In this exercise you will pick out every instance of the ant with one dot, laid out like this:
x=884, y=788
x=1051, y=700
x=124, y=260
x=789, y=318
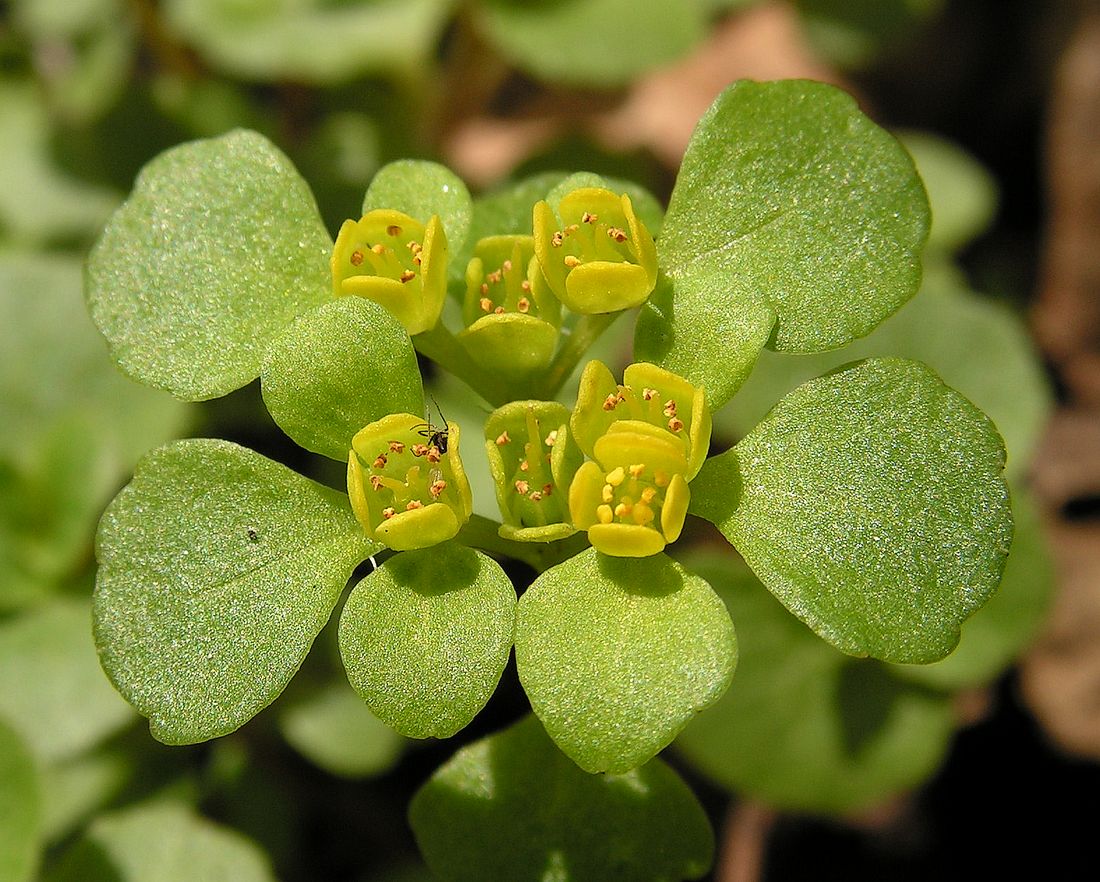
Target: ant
x=436, y=437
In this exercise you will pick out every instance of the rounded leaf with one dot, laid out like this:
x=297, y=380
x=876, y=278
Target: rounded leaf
x=216, y=251
x=336, y=369
x=805, y=727
x=871, y=503
x=804, y=241
x=616, y=655
x=421, y=189
x=217, y=569
x=426, y=636
x=485, y=816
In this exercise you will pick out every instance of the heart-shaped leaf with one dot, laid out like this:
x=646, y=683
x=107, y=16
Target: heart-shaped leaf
x=426, y=636
x=421, y=189
x=217, y=569
x=216, y=251
x=871, y=503
x=617, y=654
x=802, y=240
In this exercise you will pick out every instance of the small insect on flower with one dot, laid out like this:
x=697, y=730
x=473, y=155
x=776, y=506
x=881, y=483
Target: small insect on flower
x=437, y=437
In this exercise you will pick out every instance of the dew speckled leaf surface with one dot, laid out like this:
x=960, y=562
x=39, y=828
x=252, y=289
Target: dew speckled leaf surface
x=1002, y=629
x=617, y=654
x=217, y=569
x=161, y=843
x=217, y=249
x=601, y=43
x=803, y=241
x=20, y=810
x=337, y=369
x=512, y=808
x=804, y=727
x=54, y=691
x=426, y=636
x=871, y=503
x=421, y=189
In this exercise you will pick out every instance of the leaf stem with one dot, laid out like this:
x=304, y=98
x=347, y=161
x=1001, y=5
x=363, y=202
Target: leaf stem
x=585, y=333
x=481, y=532
x=441, y=346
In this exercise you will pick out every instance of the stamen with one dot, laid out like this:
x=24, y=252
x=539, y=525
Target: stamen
x=535, y=496
x=484, y=288
x=642, y=514
x=616, y=477
x=551, y=439
x=547, y=489
x=522, y=487
x=376, y=482
x=660, y=478
x=571, y=261
x=588, y=218
x=378, y=249
x=675, y=424
x=388, y=513
x=437, y=488
x=407, y=276
x=419, y=449
x=636, y=470
x=506, y=267
x=604, y=514
x=356, y=258
x=499, y=310
x=670, y=408
x=523, y=305
x=494, y=277
x=611, y=401
x=413, y=505
x=486, y=304
x=524, y=466
x=503, y=438
x=608, y=493
x=616, y=234
x=556, y=239
x=397, y=447
x=393, y=230
x=433, y=454
x=525, y=285
x=379, y=461
x=649, y=394
x=648, y=495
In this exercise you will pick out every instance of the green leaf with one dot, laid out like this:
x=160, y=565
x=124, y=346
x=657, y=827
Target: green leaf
x=795, y=222
x=334, y=729
x=311, y=41
x=601, y=43
x=617, y=654
x=420, y=189
x=161, y=843
x=426, y=636
x=511, y=808
x=963, y=194
x=55, y=694
x=996, y=634
x=218, y=568
x=871, y=503
x=851, y=33
x=337, y=369
x=216, y=251
x=805, y=727
x=19, y=809
x=978, y=346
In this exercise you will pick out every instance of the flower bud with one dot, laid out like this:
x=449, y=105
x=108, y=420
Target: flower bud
x=406, y=482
